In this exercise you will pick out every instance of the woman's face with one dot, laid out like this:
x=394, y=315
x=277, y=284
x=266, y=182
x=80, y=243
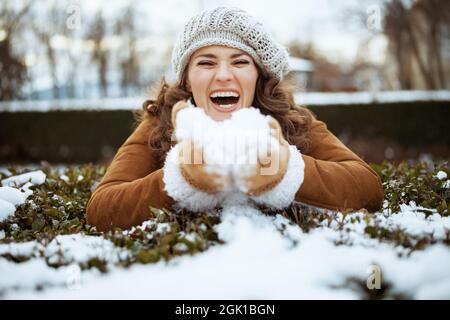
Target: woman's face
x=222, y=80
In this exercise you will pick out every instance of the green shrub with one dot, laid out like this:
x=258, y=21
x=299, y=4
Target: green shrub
x=418, y=182
x=91, y=136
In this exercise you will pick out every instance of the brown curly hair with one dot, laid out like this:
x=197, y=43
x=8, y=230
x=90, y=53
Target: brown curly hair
x=272, y=97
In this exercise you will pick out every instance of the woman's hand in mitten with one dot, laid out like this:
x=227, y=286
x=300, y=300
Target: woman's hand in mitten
x=270, y=168
x=191, y=161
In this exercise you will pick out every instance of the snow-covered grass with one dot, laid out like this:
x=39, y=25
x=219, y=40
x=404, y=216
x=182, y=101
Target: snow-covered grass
x=48, y=251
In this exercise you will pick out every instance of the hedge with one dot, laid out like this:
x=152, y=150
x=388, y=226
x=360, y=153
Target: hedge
x=94, y=136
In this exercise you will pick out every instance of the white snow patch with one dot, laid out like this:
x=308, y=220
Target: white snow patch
x=22, y=249
x=16, y=190
x=441, y=175
x=414, y=222
x=81, y=248
x=35, y=273
x=12, y=195
x=5, y=171
x=261, y=261
x=7, y=209
x=35, y=177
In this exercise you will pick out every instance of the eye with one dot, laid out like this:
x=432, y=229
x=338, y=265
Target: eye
x=205, y=63
x=242, y=62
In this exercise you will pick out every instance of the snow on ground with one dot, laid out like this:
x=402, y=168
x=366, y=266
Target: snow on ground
x=263, y=258
x=33, y=275
x=35, y=177
x=15, y=190
x=80, y=248
x=302, y=98
x=67, y=250
x=346, y=98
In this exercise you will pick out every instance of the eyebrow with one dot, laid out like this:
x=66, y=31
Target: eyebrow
x=212, y=56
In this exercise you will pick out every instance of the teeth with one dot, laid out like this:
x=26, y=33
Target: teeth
x=226, y=106
x=224, y=94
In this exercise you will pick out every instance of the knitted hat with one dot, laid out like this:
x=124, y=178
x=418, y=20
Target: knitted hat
x=232, y=27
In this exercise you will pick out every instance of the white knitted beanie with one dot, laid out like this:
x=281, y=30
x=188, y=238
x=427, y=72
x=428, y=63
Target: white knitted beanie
x=232, y=27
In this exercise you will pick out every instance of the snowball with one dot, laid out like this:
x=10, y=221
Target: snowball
x=230, y=146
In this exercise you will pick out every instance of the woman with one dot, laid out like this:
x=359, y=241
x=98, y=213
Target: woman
x=225, y=61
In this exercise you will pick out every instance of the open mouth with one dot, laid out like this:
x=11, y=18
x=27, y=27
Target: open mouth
x=225, y=101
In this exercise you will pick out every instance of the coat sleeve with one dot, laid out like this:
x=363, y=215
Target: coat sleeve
x=335, y=177
x=132, y=183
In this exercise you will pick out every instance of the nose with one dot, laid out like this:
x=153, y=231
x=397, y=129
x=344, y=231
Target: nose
x=224, y=73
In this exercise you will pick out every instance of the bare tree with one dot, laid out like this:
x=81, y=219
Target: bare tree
x=420, y=29
x=129, y=64
x=72, y=57
x=100, y=55
x=436, y=28
x=13, y=75
x=47, y=24
x=395, y=20
x=417, y=34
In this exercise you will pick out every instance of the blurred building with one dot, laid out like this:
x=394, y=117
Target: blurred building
x=301, y=70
